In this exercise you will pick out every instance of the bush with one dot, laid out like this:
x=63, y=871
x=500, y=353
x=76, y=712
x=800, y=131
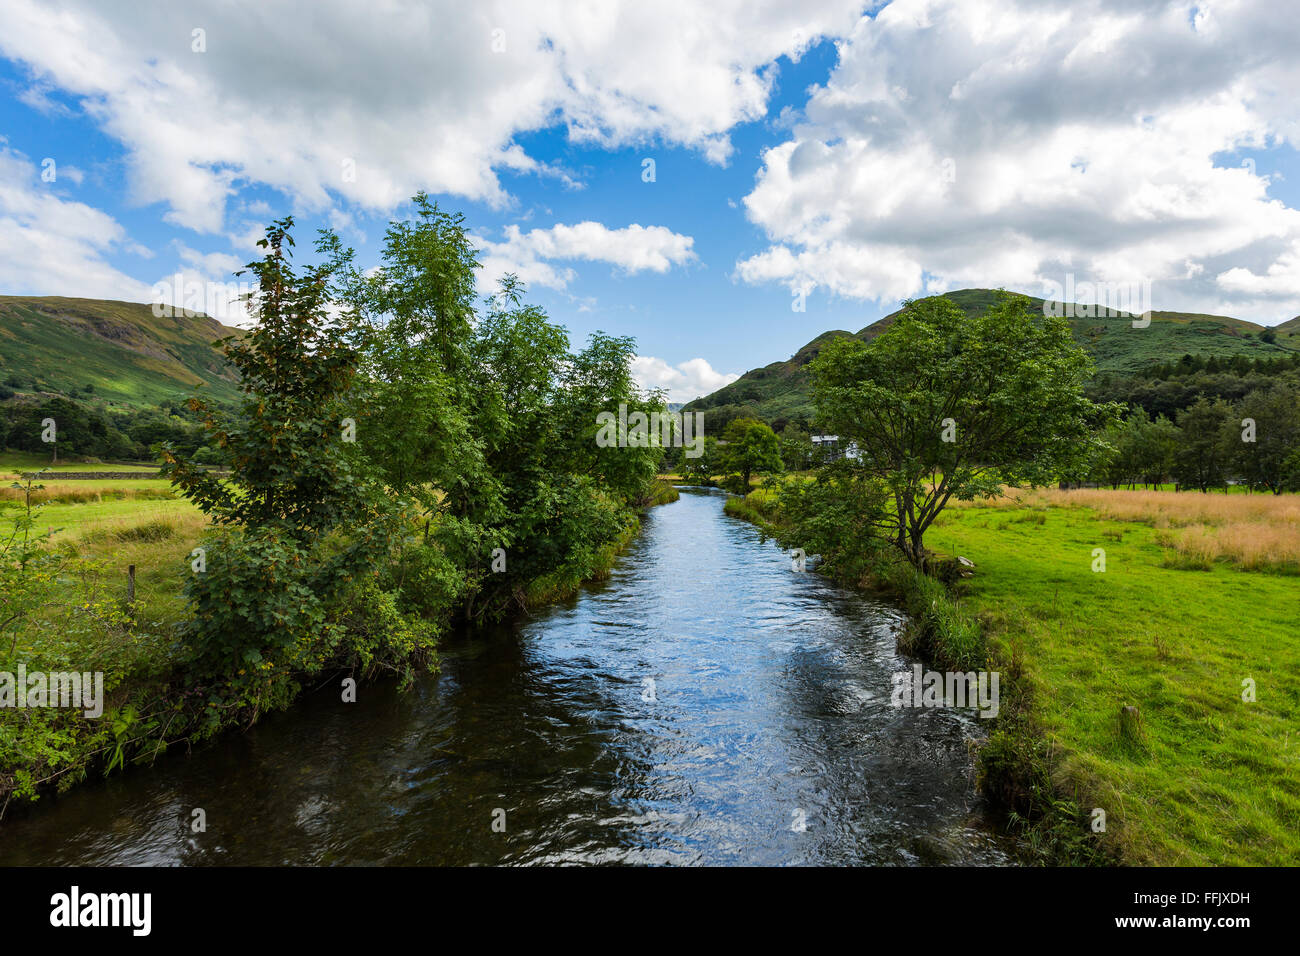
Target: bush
x=837, y=515
x=378, y=636
x=428, y=583
x=269, y=610
x=252, y=602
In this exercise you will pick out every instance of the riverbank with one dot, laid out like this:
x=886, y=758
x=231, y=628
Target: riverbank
x=1194, y=774
x=701, y=706
x=99, y=619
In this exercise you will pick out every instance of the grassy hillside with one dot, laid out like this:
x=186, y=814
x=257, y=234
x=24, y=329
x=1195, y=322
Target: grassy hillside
x=782, y=390
x=120, y=350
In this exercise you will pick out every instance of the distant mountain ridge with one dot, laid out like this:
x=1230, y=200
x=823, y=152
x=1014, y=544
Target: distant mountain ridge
x=783, y=391
x=118, y=352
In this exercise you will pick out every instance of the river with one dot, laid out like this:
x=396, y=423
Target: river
x=704, y=705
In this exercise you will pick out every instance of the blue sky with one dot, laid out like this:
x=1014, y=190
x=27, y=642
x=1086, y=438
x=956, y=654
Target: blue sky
x=859, y=155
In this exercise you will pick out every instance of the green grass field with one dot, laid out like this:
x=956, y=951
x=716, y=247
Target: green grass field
x=14, y=463
x=120, y=522
x=1212, y=779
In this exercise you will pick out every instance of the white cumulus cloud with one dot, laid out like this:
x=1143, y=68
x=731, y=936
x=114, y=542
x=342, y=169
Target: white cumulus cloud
x=683, y=382
x=50, y=245
x=996, y=142
x=365, y=103
x=530, y=254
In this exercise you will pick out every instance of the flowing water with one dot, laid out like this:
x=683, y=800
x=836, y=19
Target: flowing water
x=704, y=705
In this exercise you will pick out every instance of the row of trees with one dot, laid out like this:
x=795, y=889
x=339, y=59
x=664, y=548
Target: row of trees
x=86, y=430
x=747, y=448
x=1174, y=395
x=1237, y=364
x=402, y=457
x=1254, y=441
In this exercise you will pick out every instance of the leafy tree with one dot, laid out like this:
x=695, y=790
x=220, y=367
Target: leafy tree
x=416, y=395
x=703, y=467
x=942, y=405
x=1157, y=445
x=1141, y=450
x=837, y=515
x=598, y=380
x=297, y=521
x=750, y=447
x=1276, y=415
x=485, y=418
x=796, y=448
x=1205, y=446
x=285, y=450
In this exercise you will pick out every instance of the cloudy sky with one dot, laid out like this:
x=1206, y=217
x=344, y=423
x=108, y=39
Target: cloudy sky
x=682, y=172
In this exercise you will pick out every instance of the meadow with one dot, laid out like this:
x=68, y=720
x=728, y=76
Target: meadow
x=115, y=522
x=1198, y=605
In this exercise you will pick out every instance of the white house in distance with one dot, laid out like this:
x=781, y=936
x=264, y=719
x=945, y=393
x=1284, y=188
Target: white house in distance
x=829, y=447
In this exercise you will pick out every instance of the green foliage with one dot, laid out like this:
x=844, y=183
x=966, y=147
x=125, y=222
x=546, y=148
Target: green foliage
x=254, y=604
x=1264, y=462
x=661, y=493
x=285, y=449
x=417, y=395
x=750, y=448
x=797, y=449
x=837, y=515
x=297, y=518
x=943, y=404
x=29, y=568
x=54, y=608
x=598, y=382
x=701, y=469
x=1137, y=449
x=1203, y=453
x=488, y=422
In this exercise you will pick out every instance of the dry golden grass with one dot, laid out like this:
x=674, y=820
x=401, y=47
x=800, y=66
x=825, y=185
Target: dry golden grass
x=83, y=492
x=1255, y=531
x=144, y=525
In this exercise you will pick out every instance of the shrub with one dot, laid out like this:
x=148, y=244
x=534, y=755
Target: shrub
x=253, y=604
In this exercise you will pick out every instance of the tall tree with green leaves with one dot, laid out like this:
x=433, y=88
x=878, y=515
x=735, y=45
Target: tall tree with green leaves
x=750, y=447
x=286, y=450
x=419, y=404
x=1206, y=445
x=289, y=572
x=1268, y=425
x=796, y=448
x=941, y=406
x=704, y=466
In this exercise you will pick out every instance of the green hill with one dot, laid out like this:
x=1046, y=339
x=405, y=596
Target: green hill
x=117, y=352
x=782, y=390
